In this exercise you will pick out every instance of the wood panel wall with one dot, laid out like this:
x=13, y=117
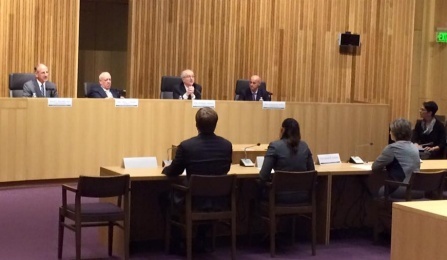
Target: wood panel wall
x=292, y=45
x=34, y=31
x=430, y=58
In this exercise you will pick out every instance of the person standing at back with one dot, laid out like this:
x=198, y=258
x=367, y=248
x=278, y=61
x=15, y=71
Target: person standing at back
x=40, y=86
x=188, y=89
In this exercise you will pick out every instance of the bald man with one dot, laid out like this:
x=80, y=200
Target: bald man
x=254, y=93
x=188, y=89
x=40, y=86
x=104, y=90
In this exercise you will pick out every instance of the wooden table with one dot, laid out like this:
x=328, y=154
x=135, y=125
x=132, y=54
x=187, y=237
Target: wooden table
x=419, y=230
x=326, y=174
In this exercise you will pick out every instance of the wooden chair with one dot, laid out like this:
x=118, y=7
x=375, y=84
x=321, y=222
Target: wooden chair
x=272, y=208
x=422, y=186
x=220, y=190
x=97, y=213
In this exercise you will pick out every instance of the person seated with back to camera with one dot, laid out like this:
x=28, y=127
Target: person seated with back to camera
x=289, y=153
x=400, y=158
x=104, y=90
x=429, y=133
x=188, y=89
x=254, y=93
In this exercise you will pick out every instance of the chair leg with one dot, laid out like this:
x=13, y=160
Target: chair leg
x=167, y=234
x=214, y=237
x=233, y=237
x=188, y=239
x=293, y=229
x=110, y=238
x=272, y=234
x=60, y=239
x=78, y=240
x=126, y=231
x=314, y=232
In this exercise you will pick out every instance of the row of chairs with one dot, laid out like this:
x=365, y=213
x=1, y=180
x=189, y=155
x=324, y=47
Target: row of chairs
x=109, y=214
x=16, y=81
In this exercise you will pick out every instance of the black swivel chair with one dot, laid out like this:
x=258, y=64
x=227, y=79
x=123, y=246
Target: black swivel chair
x=16, y=81
x=167, y=86
x=88, y=86
x=243, y=84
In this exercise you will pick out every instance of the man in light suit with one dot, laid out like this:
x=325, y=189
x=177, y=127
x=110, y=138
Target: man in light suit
x=254, y=93
x=187, y=89
x=40, y=86
x=104, y=90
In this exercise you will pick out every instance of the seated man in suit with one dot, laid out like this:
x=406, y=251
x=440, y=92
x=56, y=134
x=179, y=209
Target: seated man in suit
x=187, y=89
x=104, y=89
x=204, y=154
x=40, y=86
x=254, y=93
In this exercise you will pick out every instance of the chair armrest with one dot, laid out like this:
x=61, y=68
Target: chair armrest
x=70, y=188
x=179, y=187
x=66, y=187
x=391, y=182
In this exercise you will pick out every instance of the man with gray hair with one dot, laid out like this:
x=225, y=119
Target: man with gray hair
x=188, y=89
x=104, y=90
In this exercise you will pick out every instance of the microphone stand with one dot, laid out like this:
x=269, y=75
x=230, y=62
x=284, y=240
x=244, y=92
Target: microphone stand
x=246, y=162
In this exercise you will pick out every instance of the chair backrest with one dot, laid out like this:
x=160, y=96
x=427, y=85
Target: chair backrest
x=103, y=187
x=284, y=181
x=168, y=83
x=212, y=185
x=166, y=95
x=16, y=81
x=426, y=182
x=242, y=85
x=88, y=86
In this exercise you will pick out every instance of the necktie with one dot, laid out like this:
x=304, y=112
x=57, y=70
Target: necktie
x=254, y=96
x=42, y=90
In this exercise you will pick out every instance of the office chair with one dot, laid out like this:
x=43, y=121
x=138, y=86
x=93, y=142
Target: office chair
x=243, y=84
x=98, y=213
x=167, y=86
x=88, y=86
x=16, y=82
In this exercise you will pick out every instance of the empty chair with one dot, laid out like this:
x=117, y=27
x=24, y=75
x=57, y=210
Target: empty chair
x=422, y=186
x=16, y=81
x=243, y=84
x=97, y=213
x=303, y=184
x=167, y=86
x=207, y=198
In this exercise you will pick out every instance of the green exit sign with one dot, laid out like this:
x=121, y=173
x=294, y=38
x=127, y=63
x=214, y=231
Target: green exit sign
x=441, y=37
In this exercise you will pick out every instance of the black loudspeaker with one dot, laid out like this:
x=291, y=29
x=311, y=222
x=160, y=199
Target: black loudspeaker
x=349, y=39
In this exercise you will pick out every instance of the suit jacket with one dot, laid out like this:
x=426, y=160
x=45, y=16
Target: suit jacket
x=205, y=154
x=248, y=96
x=98, y=92
x=179, y=90
x=437, y=137
x=30, y=87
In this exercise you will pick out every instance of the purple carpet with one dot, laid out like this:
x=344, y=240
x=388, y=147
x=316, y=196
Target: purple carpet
x=29, y=217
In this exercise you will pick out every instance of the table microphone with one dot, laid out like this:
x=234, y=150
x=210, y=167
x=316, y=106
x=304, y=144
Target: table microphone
x=247, y=162
x=355, y=158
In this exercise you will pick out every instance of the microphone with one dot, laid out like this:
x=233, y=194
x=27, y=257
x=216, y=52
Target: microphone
x=355, y=158
x=247, y=162
x=168, y=161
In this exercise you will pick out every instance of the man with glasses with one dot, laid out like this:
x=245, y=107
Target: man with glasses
x=187, y=89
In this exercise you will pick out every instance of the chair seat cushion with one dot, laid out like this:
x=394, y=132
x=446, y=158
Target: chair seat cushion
x=102, y=208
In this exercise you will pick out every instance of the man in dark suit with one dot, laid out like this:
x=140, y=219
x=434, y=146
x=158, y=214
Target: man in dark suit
x=40, y=86
x=187, y=89
x=104, y=89
x=254, y=93
x=204, y=154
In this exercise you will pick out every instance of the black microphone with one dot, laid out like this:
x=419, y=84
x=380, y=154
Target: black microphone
x=355, y=158
x=247, y=162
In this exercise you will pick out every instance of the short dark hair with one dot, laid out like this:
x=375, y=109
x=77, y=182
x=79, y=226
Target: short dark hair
x=206, y=120
x=431, y=106
x=401, y=129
